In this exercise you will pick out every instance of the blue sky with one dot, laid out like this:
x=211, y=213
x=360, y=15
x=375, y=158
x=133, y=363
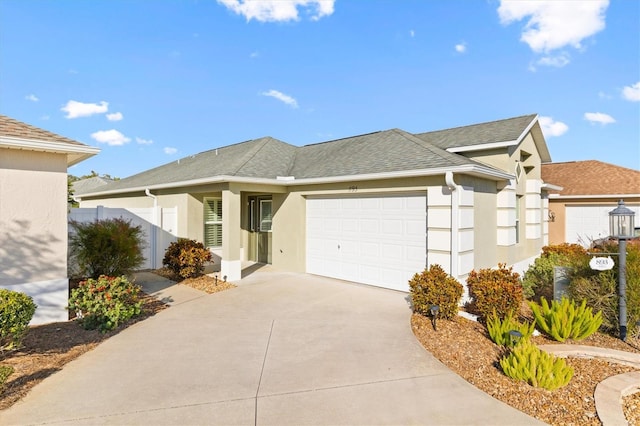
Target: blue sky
x=150, y=82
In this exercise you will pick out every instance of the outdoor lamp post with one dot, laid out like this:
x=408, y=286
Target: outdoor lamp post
x=621, y=227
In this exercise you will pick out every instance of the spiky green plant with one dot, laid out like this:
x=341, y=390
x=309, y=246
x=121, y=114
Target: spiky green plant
x=499, y=329
x=528, y=363
x=563, y=320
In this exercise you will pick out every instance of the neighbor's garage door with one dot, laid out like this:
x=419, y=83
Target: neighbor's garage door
x=590, y=222
x=377, y=240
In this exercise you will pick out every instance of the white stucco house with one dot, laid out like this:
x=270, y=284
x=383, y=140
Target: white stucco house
x=33, y=214
x=374, y=208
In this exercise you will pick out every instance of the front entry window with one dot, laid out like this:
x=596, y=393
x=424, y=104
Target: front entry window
x=212, y=222
x=260, y=225
x=265, y=215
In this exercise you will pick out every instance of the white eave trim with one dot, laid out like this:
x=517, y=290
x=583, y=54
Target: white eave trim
x=598, y=196
x=551, y=187
x=496, y=145
x=484, y=146
x=61, y=147
x=474, y=170
x=75, y=152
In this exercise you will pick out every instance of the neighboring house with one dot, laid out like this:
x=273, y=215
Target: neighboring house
x=373, y=209
x=33, y=214
x=89, y=184
x=579, y=213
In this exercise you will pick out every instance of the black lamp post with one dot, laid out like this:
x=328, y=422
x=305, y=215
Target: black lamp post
x=621, y=227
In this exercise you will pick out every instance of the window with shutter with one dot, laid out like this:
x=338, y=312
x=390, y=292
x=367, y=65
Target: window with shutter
x=213, y=222
x=265, y=215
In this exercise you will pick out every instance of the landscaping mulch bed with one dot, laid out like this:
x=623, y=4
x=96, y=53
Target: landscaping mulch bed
x=204, y=283
x=465, y=347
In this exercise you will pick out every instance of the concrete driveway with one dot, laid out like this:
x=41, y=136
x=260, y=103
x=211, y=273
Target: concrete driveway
x=281, y=349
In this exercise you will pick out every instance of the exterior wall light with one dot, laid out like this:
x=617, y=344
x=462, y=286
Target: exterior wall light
x=621, y=227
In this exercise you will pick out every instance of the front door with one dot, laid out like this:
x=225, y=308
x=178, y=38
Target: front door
x=260, y=215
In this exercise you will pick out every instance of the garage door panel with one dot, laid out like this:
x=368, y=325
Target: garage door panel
x=392, y=227
x=585, y=223
x=382, y=239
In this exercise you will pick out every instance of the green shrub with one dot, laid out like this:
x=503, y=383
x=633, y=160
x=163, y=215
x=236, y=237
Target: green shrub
x=434, y=287
x=5, y=372
x=111, y=247
x=528, y=363
x=600, y=289
x=537, y=281
x=105, y=303
x=499, y=329
x=186, y=258
x=496, y=290
x=16, y=310
x=563, y=320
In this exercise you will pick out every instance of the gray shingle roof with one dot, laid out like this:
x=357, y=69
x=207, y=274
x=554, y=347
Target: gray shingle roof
x=381, y=152
x=505, y=130
x=89, y=184
x=264, y=158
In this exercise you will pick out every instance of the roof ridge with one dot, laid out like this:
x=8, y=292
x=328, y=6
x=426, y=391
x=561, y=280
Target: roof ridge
x=260, y=144
x=480, y=124
x=346, y=137
x=442, y=153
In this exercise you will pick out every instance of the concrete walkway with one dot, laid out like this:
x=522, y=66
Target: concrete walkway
x=280, y=349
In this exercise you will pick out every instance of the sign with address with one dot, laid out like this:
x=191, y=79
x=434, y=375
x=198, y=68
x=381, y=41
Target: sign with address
x=601, y=263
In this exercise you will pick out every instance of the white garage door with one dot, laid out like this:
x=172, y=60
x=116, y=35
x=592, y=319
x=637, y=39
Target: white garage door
x=377, y=240
x=587, y=223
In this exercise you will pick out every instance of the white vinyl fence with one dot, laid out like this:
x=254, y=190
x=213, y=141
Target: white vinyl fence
x=159, y=226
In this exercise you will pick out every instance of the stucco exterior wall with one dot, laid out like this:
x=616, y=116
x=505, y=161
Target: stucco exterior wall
x=33, y=229
x=485, y=224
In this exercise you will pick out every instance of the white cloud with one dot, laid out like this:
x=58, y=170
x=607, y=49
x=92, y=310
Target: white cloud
x=632, y=93
x=412, y=33
x=110, y=137
x=279, y=10
x=254, y=54
x=603, y=95
x=116, y=116
x=32, y=98
x=557, y=61
x=555, y=24
x=461, y=47
x=599, y=117
x=551, y=128
x=143, y=141
x=170, y=151
x=75, y=109
x=281, y=97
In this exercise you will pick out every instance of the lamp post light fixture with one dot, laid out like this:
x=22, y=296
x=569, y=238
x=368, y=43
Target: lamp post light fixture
x=434, y=315
x=621, y=227
x=515, y=336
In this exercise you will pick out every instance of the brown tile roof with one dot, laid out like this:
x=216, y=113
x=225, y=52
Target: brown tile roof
x=17, y=129
x=591, y=177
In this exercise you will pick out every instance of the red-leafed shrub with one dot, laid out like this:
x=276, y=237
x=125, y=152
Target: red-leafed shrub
x=186, y=258
x=496, y=290
x=434, y=287
x=105, y=303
